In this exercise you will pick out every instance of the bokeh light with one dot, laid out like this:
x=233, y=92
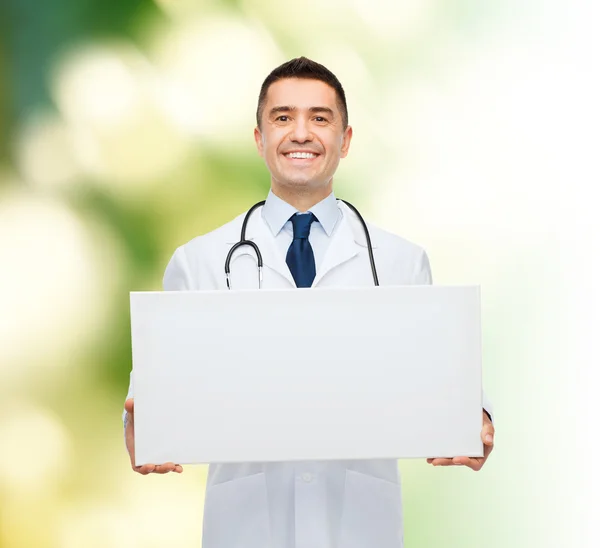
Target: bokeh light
x=214, y=67
x=396, y=20
x=35, y=450
x=54, y=281
x=113, y=101
x=46, y=152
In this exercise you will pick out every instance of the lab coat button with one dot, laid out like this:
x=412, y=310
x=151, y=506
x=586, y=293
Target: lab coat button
x=307, y=477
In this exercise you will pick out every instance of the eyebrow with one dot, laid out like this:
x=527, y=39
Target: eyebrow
x=314, y=110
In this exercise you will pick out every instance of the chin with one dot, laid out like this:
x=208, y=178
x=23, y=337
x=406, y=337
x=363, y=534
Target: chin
x=297, y=182
x=301, y=182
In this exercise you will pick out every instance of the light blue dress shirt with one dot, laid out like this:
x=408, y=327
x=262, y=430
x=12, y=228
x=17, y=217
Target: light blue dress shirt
x=276, y=213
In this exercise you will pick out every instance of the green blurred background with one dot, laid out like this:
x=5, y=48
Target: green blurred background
x=126, y=130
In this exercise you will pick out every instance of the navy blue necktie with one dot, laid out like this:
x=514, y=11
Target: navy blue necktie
x=300, y=257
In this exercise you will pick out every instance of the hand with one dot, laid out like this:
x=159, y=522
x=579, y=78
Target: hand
x=475, y=463
x=145, y=469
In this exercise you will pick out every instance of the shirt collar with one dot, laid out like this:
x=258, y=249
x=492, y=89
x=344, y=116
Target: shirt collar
x=276, y=212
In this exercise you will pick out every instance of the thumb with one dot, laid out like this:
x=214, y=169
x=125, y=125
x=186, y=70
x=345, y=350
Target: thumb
x=487, y=434
x=129, y=406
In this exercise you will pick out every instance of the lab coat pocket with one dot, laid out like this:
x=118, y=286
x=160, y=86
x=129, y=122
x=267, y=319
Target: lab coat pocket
x=372, y=513
x=236, y=514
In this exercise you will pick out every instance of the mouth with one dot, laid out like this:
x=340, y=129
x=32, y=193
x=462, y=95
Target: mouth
x=298, y=156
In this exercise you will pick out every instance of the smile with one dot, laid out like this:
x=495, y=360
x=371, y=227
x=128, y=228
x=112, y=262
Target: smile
x=301, y=155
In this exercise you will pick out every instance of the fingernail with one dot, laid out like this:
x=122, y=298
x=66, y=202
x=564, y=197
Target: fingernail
x=489, y=438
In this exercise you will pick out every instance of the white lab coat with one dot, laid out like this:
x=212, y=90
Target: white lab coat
x=345, y=504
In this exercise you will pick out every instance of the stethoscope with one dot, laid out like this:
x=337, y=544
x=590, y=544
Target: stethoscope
x=259, y=259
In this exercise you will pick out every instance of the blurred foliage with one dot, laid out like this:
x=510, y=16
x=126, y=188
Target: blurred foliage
x=34, y=33
x=438, y=95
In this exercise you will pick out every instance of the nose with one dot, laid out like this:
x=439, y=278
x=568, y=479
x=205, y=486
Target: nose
x=301, y=132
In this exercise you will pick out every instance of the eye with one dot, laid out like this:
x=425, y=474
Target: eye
x=282, y=118
x=320, y=120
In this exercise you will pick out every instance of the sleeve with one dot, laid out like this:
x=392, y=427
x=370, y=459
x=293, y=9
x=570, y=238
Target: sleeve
x=177, y=278
x=487, y=406
x=177, y=274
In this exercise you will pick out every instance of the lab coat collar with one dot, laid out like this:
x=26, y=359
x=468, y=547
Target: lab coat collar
x=277, y=212
x=342, y=248
x=358, y=230
x=346, y=242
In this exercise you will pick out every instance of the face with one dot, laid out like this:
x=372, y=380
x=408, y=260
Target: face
x=302, y=136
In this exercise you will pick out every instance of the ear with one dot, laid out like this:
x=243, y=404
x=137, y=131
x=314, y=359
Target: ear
x=258, y=139
x=346, y=141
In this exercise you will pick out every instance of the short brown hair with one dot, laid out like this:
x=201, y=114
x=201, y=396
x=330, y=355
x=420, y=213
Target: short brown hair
x=301, y=67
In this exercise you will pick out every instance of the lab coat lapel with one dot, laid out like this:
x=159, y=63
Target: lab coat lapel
x=272, y=257
x=259, y=233
x=342, y=248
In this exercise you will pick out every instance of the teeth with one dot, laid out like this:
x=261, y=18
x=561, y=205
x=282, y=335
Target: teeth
x=302, y=155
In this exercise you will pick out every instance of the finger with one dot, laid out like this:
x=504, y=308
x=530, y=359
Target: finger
x=472, y=463
x=129, y=406
x=165, y=468
x=178, y=468
x=149, y=468
x=145, y=469
x=442, y=462
x=487, y=434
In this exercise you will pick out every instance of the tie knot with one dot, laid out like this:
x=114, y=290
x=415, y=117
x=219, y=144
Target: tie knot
x=301, y=224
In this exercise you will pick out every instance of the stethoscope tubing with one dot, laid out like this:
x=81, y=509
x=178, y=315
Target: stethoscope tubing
x=259, y=258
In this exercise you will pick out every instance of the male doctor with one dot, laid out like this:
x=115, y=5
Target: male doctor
x=307, y=239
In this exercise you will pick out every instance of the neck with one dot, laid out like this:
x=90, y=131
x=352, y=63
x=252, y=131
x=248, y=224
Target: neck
x=302, y=198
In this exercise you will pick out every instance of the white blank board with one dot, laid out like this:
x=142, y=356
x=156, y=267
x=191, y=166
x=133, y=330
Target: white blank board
x=306, y=374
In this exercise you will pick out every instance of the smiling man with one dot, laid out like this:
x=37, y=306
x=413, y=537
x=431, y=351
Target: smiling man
x=307, y=239
x=302, y=133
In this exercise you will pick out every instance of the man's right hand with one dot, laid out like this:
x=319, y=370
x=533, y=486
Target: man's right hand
x=130, y=441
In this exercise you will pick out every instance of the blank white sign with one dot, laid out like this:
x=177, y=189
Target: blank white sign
x=306, y=374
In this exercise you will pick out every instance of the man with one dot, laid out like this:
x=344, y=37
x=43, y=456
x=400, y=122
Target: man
x=307, y=239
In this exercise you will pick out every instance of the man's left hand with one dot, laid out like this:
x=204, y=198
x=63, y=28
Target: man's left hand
x=475, y=463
